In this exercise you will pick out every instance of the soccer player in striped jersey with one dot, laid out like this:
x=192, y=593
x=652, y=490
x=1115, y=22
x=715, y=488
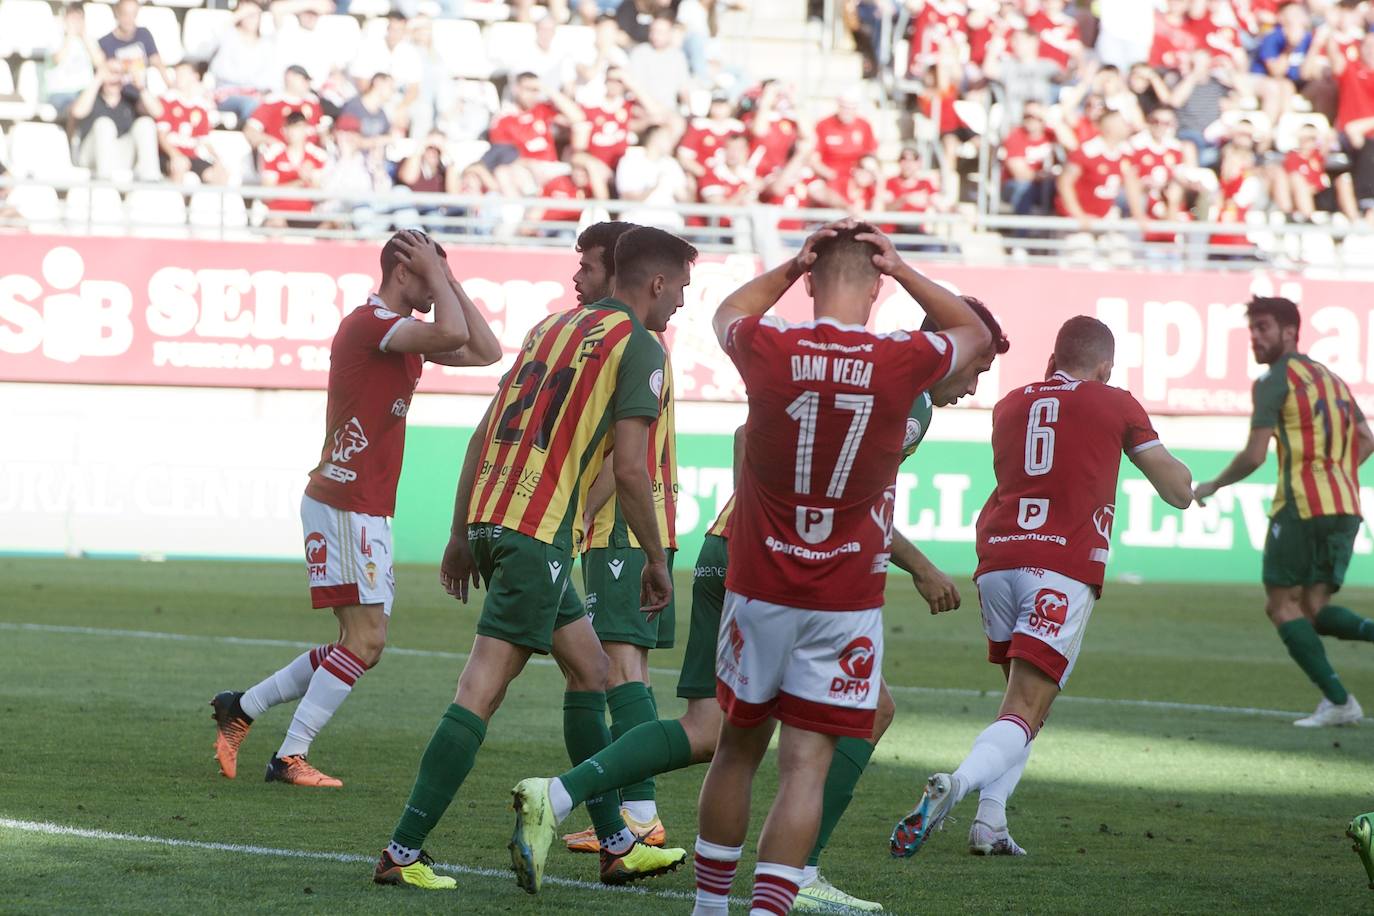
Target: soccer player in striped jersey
x=1322, y=440
x=375, y=363
x=586, y=378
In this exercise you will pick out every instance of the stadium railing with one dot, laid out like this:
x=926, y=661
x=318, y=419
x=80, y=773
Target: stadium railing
x=239, y=213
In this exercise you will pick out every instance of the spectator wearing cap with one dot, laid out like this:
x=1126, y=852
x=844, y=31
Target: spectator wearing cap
x=660, y=66
x=269, y=118
x=1027, y=156
x=115, y=129
x=183, y=126
x=394, y=54
x=1025, y=75
x=1301, y=186
x=244, y=64
x=129, y=43
x=300, y=41
x=71, y=67
x=706, y=137
x=370, y=111
x=294, y=163
x=842, y=139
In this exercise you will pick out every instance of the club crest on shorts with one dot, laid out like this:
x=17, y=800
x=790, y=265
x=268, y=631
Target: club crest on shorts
x=736, y=641
x=316, y=555
x=856, y=661
x=370, y=573
x=1051, y=611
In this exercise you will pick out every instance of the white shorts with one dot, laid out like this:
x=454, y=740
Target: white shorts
x=348, y=556
x=1037, y=615
x=816, y=670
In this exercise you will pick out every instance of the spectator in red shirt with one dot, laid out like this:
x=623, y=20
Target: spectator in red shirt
x=576, y=185
x=912, y=190
x=1164, y=165
x=182, y=126
x=524, y=152
x=265, y=124
x=605, y=134
x=842, y=140
x=1355, y=116
x=1301, y=186
x=731, y=178
x=1060, y=40
x=1099, y=172
x=1027, y=155
x=295, y=163
x=936, y=26
x=1240, y=188
x=705, y=137
x=1173, y=39
x=774, y=127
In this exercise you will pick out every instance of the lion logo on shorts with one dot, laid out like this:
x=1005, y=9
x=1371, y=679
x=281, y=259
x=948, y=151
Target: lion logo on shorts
x=349, y=440
x=857, y=658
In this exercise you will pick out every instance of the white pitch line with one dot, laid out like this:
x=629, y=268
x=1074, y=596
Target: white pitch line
x=47, y=829
x=1165, y=705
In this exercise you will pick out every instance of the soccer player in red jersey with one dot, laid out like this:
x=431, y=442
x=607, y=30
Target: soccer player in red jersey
x=375, y=363
x=801, y=637
x=1042, y=540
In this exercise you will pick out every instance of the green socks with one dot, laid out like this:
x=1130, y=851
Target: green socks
x=632, y=704
x=445, y=764
x=645, y=750
x=851, y=757
x=1343, y=623
x=1306, y=648
x=584, y=734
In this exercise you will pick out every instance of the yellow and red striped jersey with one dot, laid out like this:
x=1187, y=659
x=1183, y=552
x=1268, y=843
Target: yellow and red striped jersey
x=1314, y=418
x=578, y=372
x=609, y=528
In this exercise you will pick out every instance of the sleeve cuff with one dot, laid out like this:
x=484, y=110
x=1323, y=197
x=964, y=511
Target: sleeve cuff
x=386, y=338
x=1143, y=447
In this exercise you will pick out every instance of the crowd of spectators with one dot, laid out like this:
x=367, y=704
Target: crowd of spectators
x=1194, y=109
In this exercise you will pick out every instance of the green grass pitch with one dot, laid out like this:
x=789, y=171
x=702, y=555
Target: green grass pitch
x=1125, y=807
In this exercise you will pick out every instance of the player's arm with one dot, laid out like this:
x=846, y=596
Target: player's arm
x=1067, y=185
x=601, y=491
x=961, y=324
x=1364, y=443
x=635, y=493
x=737, y=458
x=935, y=587
x=458, y=567
x=1245, y=463
x=1170, y=477
x=449, y=330
x=482, y=347
x=763, y=292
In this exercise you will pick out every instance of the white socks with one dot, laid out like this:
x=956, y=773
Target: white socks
x=995, y=750
x=992, y=801
x=559, y=799
x=715, y=872
x=329, y=686
x=285, y=685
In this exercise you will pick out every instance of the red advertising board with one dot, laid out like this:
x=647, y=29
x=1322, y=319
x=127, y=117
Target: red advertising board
x=261, y=315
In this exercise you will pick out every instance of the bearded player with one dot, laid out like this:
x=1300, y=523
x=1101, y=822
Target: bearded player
x=1042, y=540
x=375, y=363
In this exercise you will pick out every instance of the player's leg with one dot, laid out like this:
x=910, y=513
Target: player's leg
x=989, y=834
x=1291, y=563
x=1334, y=543
x=723, y=811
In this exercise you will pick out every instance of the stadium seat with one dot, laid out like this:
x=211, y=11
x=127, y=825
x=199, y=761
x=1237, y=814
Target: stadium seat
x=162, y=22
x=233, y=152
x=463, y=48
x=100, y=20
x=35, y=202
x=201, y=30
x=211, y=209
x=156, y=212
x=98, y=209
x=27, y=28
x=18, y=103
x=343, y=34
x=576, y=40
x=40, y=150
x=507, y=43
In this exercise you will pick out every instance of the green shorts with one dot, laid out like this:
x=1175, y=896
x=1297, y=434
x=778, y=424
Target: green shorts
x=698, y=678
x=611, y=578
x=529, y=587
x=1308, y=551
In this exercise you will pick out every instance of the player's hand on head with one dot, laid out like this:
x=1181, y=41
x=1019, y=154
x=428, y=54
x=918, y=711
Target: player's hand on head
x=458, y=569
x=807, y=256
x=938, y=590
x=886, y=259
x=420, y=253
x=655, y=588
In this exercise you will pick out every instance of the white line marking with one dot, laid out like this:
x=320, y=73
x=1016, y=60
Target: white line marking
x=47, y=829
x=666, y=672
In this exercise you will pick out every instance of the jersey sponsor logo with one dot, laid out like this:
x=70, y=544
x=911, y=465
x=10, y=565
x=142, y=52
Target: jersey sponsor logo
x=913, y=433
x=400, y=407
x=1031, y=513
x=555, y=568
x=1051, y=610
x=708, y=572
x=590, y=602
x=856, y=661
x=349, y=440
x=317, y=556
x=1037, y=538
x=806, y=553
x=814, y=525
x=616, y=566
x=656, y=383
x=332, y=471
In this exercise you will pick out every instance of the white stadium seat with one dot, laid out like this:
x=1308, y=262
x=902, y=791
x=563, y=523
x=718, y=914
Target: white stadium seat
x=575, y=40
x=343, y=35
x=100, y=20
x=162, y=23
x=37, y=203
x=460, y=43
x=27, y=28
x=201, y=30
x=18, y=103
x=40, y=151
x=210, y=209
x=233, y=152
x=507, y=43
x=98, y=209
x=156, y=212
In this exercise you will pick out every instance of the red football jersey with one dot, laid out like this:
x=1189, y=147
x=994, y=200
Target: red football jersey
x=365, y=420
x=1156, y=162
x=1037, y=151
x=1312, y=168
x=841, y=145
x=939, y=24
x=1100, y=182
x=277, y=160
x=610, y=135
x=270, y=116
x=531, y=132
x=776, y=142
x=1357, y=94
x=1056, y=452
x=828, y=406
x=563, y=188
x=705, y=138
x=184, y=122
x=913, y=195
x=1060, y=39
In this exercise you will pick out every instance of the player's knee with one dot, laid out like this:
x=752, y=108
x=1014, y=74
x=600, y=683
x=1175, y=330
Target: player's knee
x=590, y=673
x=1282, y=609
x=884, y=714
x=702, y=725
